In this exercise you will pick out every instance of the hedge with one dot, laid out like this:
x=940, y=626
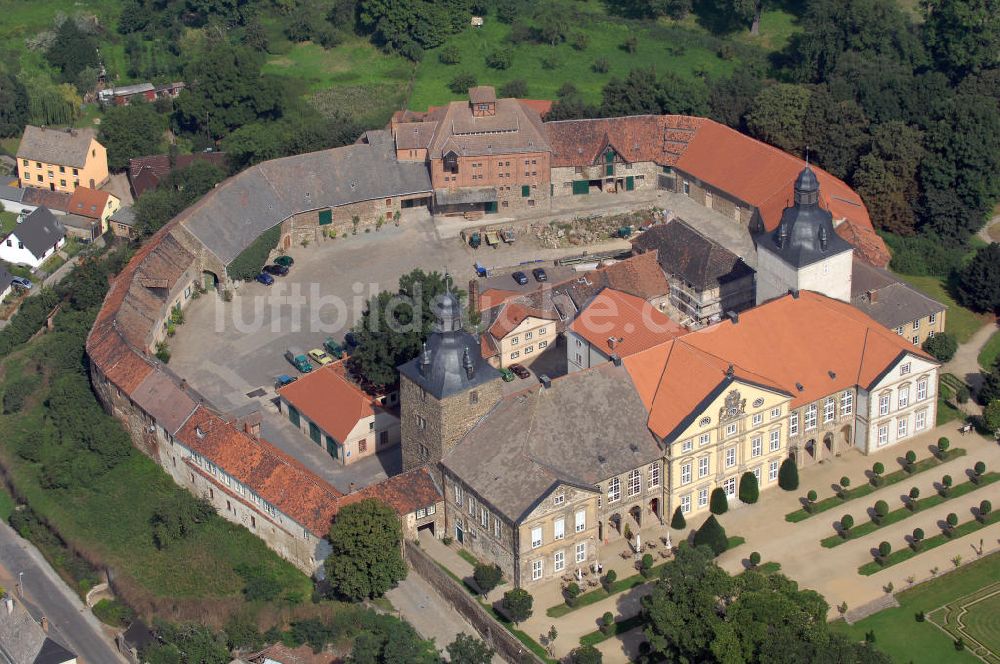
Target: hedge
x=29, y=319
x=248, y=264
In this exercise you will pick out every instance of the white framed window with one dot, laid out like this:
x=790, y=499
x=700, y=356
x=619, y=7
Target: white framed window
x=905, y=367
x=559, y=529
x=581, y=552
x=916, y=324
x=729, y=486
x=559, y=561
x=685, y=473
x=702, y=497
x=654, y=476
x=541, y=331
x=776, y=412
x=932, y=319
x=431, y=509
x=916, y=340
x=515, y=341
x=458, y=495
x=793, y=424
x=902, y=428
x=775, y=440
x=920, y=420
x=704, y=439
x=685, y=504
x=829, y=410
x=702, y=467
x=581, y=521
x=687, y=445
x=472, y=507
x=529, y=349
x=731, y=429
x=528, y=335
x=536, y=537
x=542, y=344
x=497, y=528
x=757, y=419
x=772, y=470
x=811, y=417
x=614, y=490
x=904, y=396
x=846, y=403
x=730, y=457
x=516, y=354
x=899, y=330
x=883, y=435
x=930, y=334
x=883, y=404
x=756, y=446
x=536, y=570
x=484, y=517
x=634, y=484
x=756, y=473
x=559, y=499
x=921, y=389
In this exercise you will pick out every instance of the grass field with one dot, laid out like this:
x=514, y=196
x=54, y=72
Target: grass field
x=991, y=351
x=8, y=220
x=959, y=321
x=973, y=619
x=906, y=640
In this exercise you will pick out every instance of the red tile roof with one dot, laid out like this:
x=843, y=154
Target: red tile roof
x=88, y=202
x=494, y=296
x=823, y=345
x=634, y=323
x=405, y=493
x=329, y=398
x=656, y=138
x=512, y=315
x=638, y=275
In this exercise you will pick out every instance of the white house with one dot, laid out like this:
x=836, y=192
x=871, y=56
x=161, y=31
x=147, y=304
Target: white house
x=38, y=235
x=900, y=404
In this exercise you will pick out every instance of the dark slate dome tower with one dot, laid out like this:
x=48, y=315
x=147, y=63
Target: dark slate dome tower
x=804, y=244
x=445, y=389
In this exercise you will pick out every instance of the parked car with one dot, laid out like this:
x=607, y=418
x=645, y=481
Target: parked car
x=286, y=261
x=333, y=348
x=284, y=379
x=520, y=277
x=21, y=282
x=298, y=359
x=507, y=375
x=320, y=356
x=519, y=371
x=264, y=278
x=351, y=341
x=539, y=274
x=276, y=270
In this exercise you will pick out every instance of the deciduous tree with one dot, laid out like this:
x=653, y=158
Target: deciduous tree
x=365, y=557
x=467, y=649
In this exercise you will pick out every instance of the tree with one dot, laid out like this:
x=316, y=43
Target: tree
x=73, y=52
x=643, y=91
x=14, y=111
x=177, y=518
x=942, y=346
x=749, y=491
x=586, y=655
x=553, y=23
x=754, y=559
x=462, y=83
x=389, y=640
x=835, y=130
x=516, y=88
x=718, y=504
x=979, y=280
x=985, y=507
x=884, y=549
x=788, y=475
x=885, y=176
x=910, y=458
x=487, y=577
x=877, y=469
x=846, y=522
x=517, y=604
x=777, y=116
x=991, y=415
x=881, y=510
x=365, y=551
x=730, y=99
x=394, y=326
x=401, y=26
x=131, y=131
x=467, y=649
x=962, y=35
x=500, y=58
x=712, y=535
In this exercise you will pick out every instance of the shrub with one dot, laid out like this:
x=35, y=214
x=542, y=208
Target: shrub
x=678, y=522
x=985, y=507
x=877, y=470
x=942, y=447
x=447, y=540
x=631, y=44
x=919, y=615
x=608, y=580
x=846, y=522
x=749, y=491
x=112, y=612
x=918, y=534
x=517, y=604
x=712, y=535
x=586, y=655
x=788, y=475
x=951, y=519
x=811, y=496
x=580, y=41
x=516, y=88
x=979, y=470
x=718, y=503
x=487, y=577
x=601, y=66
x=500, y=58
x=260, y=583
x=646, y=566
x=884, y=549
x=946, y=482
x=450, y=55
x=572, y=592
x=911, y=458
x=462, y=82
x=17, y=392
x=607, y=622
x=941, y=346
x=755, y=559
x=963, y=395
x=248, y=264
x=914, y=493
x=959, y=642
x=881, y=510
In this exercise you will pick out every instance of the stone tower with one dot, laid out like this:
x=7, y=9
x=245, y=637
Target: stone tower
x=445, y=390
x=804, y=252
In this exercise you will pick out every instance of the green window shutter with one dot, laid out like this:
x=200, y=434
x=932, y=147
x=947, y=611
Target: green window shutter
x=325, y=217
x=609, y=169
x=314, y=433
x=293, y=415
x=609, y=156
x=629, y=183
x=331, y=447
x=525, y=190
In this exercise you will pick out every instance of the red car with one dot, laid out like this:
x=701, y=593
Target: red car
x=519, y=371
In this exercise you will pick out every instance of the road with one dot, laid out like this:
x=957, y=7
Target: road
x=45, y=593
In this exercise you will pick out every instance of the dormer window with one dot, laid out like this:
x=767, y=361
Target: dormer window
x=451, y=163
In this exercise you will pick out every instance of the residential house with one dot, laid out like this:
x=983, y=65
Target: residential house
x=338, y=415
x=145, y=173
x=12, y=199
x=518, y=331
x=416, y=497
x=126, y=94
x=25, y=641
x=39, y=235
x=895, y=304
x=706, y=279
x=56, y=201
x=615, y=325
x=123, y=222
x=61, y=159
x=94, y=204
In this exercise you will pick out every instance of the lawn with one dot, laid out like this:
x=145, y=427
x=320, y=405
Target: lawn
x=973, y=619
x=8, y=220
x=6, y=505
x=906, y=640
x=959, y=321
x=22, y=19
x=991, y=351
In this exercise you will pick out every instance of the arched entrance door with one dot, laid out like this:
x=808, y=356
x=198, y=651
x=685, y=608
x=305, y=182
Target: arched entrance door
x=210, y=280
x=828, y=443
x=845, y=438
x=636, y=514
x=654, y=507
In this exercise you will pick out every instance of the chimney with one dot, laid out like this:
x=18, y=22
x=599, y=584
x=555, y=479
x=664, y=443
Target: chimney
x=616, y=359
x=872, y=296
x=545, y=381
x=351, y=489
x=799, y=387
x=733, y=316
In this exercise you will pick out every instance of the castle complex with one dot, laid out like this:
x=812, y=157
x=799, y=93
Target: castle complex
x=540, y=480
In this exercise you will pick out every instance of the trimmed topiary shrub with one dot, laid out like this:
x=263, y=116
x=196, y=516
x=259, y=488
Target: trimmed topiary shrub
x=845, y=482
x=646, y=565
x=607, y=622
x=755, y=559
x=911, y=459
x=846, y=523
x=678, y=522
x=749, y=490
x=881, y=510
x=946, y=483
x=788, y=475
x=942, y=447
x=608, y=580
x=884, y=549
x=718, y=503
x=978, y=471
x=712, y=535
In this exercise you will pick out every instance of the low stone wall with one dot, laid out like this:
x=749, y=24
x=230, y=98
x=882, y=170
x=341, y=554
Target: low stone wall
x=505, y=643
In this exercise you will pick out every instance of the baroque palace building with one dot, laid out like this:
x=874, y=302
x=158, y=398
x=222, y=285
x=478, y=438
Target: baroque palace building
x=540, y=480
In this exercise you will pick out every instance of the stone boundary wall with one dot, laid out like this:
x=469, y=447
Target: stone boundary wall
x=491, y=631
